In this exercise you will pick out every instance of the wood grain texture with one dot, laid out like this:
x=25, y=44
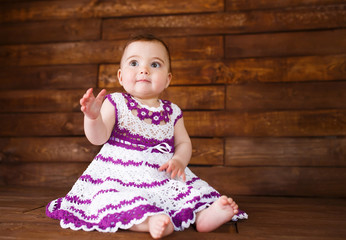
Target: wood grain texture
x=292, y=181
x=274, y=181
x=266, y=124
x=50, y=31
x=60, y=53
x=40, y=100
x=42, y=124
x=285, y=69
x=260, y=82
x=287, y=96
x=193, y=98
x=65, y=9
x=293, y=152
x=93, y=52
x=247, y=70
x=47, y=149
x=268, y=217
x=198, y=124
x=185, y=72
x=235, y=5
x=48, y=77
x=78, y=149
x=197, y=97
x=305, y=18
x=286, y=44
x=40, y=174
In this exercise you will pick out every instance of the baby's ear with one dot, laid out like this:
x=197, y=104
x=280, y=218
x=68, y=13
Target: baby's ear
x=169, y=78
x=119, y=77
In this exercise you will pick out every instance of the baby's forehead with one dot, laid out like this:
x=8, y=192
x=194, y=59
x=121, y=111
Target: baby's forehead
x=144, y=42
x=141, y=46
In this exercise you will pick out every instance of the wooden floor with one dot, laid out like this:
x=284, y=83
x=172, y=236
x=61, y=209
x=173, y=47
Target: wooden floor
x=22, y=216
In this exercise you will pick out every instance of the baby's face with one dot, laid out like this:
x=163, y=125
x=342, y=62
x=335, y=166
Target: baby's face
x=144, y=71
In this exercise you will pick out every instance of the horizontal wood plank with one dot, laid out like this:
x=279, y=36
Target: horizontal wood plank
x=197, y=97
x=40, y=174
x=40, y=100
x=50, y=31
x=286, y=44
x=266, y=124
x=66, y=9
x=196, y=48
x=200, y=97
x=60, y=53
x=47, y=149
x=103, y=51
x=48, y=77
x=196, y=72
x=288, y=181
x=235, y=5
x=285, y=69
x=287, y=96
x=108, y=76
x=198, y=124
x=78, y=149
x=248, y=70
x=42, y=124
x=292, y=181
x=306, y=18
x=317, y=152
x=207, y=151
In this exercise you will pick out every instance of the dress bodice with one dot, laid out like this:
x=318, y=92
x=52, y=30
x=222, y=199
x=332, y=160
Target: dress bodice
x=140, y=127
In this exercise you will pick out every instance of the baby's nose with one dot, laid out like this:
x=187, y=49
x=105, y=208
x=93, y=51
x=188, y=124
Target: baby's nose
x=144, y=70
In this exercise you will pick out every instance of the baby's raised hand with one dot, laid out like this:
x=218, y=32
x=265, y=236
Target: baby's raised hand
x=90, y=105
x=175, y=167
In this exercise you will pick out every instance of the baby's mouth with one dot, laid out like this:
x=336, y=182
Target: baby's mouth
x=143, y=80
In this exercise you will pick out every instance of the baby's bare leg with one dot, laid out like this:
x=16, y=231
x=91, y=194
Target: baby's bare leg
x=158, y=226
x=220, y=212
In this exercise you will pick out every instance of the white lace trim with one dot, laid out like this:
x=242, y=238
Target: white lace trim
x=140, y=127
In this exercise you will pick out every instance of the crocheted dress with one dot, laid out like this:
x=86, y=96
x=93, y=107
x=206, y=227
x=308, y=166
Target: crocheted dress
x=122, y=186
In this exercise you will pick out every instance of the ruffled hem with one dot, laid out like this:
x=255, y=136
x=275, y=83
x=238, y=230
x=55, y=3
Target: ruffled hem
x=108, y=229
x=181, y=219
x=109, y=223
x=241, y=215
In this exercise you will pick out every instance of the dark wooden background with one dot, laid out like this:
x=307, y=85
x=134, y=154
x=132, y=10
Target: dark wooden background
x=262, y=84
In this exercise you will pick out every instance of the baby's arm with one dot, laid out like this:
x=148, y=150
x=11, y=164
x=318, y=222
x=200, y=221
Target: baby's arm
x=182, y=153
x=99, y=118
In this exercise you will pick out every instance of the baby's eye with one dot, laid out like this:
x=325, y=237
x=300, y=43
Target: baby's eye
x=133, y=63
x=155, y=65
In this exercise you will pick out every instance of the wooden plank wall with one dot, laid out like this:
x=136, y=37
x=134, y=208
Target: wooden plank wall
x=261, y=82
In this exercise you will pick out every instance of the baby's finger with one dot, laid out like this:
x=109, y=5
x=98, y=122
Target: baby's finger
x=182, y=175
x=102, y=95
x=174, y=174
x=170, y=168
x=86, y=97
x=163, y=167
x=89, y=92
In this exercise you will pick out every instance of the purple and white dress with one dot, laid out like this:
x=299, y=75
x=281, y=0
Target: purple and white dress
x=122, y=186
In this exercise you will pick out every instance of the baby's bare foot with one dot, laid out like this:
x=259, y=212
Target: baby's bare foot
x=220, y=212
x=160, y=226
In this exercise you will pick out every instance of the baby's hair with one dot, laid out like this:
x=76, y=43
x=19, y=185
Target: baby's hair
x=147, y=37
